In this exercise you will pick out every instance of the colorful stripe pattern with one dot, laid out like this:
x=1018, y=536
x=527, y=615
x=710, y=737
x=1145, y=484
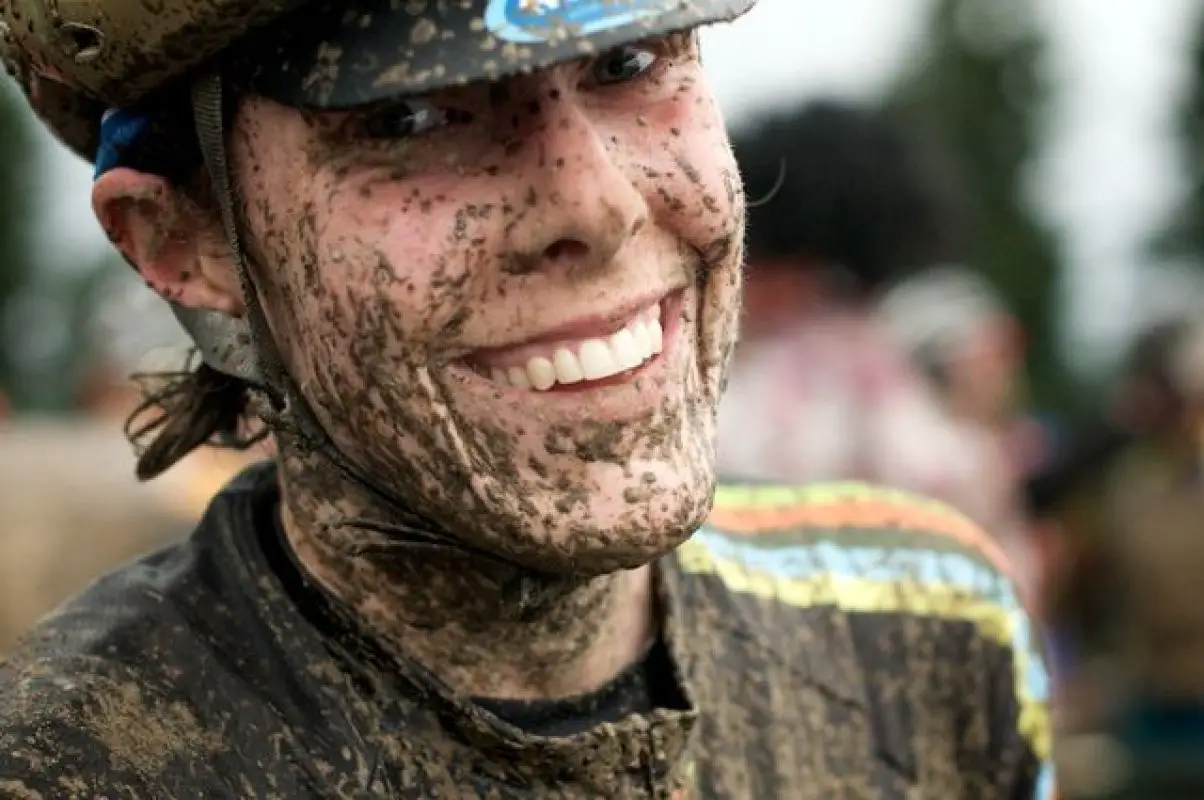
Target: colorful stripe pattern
x=868, y=550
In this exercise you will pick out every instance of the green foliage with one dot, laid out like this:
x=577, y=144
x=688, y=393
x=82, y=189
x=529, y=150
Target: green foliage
x=977, y=94
x=43, y=312
x=18, y=216
x=1182, y=238
x=54, y=312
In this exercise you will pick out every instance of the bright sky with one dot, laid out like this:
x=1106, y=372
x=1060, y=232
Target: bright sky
x=1107, y=178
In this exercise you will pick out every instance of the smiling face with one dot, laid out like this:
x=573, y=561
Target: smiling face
x=512, y=303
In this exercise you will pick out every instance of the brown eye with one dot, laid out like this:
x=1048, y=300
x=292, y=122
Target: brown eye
x=405, y=119
x=623, y=64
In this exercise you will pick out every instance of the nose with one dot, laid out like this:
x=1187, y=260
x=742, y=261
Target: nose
x=580, y=208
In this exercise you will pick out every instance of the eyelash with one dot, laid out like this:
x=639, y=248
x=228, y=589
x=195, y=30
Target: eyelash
x=654, y=55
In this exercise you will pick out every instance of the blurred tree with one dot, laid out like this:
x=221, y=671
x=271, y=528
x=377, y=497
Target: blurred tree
x=976, y=93
x=58, y=345
x=44, y=340
x=18, y=215
x=1182, y=237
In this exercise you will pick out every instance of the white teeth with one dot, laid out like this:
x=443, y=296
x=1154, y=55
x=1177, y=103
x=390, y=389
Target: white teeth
x=568, y=368
x=625, y=351
x=518, y=378
x=595, y=359
x=643, y=339
x=542, y=374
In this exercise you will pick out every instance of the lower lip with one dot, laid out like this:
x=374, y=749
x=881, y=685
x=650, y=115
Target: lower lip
x=671, y=308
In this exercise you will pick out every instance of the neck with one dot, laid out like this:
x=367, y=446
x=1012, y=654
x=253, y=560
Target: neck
x=487, y=628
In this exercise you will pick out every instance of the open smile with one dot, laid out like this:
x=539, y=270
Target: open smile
x=587, y=354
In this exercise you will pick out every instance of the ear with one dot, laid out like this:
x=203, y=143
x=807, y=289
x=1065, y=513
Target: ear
x=180, y=250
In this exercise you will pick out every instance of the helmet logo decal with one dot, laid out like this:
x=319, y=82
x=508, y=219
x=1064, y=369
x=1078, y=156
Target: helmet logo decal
x=533, y=21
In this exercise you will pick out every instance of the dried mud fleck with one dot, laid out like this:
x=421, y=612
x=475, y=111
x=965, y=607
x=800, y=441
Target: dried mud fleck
x=146, y=736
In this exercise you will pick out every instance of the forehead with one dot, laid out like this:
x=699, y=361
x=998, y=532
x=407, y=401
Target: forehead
x=339, y=55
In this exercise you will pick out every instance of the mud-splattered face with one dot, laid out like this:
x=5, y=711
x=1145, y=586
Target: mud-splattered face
x=513, y=303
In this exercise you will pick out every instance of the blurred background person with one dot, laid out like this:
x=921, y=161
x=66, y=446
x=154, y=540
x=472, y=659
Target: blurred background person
x=956, y=329
x=843, y=203
x=1143, y=443
x=1124, y=512
x=1128, y=482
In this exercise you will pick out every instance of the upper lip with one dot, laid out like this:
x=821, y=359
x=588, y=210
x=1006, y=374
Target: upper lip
x=586, y=327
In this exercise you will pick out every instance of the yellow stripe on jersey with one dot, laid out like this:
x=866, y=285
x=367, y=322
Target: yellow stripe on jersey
x=886, y=582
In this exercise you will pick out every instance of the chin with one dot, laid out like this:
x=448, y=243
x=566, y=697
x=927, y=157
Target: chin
x=598, y=477
x=630, y=523
x=593, y=518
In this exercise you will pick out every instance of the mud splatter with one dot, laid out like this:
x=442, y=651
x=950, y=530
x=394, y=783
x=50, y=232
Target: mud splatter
x=145, y=735
x=19, y=790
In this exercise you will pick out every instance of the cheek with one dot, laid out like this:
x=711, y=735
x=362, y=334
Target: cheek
x=278, y=233
x=420, y=248
x=692, y=182
x=377, y=270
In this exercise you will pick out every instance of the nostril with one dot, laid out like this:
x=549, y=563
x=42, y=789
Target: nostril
x=565, y=248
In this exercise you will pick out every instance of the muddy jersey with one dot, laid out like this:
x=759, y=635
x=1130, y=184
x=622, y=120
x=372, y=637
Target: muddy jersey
x=826, y=642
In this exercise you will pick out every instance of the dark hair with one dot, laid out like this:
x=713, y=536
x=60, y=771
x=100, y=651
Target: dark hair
x=1151, y=357
x=834, y=183
x=181, y=411
x=1084, y=460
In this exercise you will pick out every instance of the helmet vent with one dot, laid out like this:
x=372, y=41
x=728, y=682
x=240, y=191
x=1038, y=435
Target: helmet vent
x=83, y=42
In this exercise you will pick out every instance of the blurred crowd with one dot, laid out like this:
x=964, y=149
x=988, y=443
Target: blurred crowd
x=871, y=351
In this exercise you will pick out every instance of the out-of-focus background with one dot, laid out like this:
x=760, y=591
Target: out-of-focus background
x=990, y=294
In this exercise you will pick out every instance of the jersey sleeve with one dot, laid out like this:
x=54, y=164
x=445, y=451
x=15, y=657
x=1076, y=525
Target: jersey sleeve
x=930, y=601
x=1019, y=716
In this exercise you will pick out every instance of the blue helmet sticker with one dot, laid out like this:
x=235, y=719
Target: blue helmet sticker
x=534, y=21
